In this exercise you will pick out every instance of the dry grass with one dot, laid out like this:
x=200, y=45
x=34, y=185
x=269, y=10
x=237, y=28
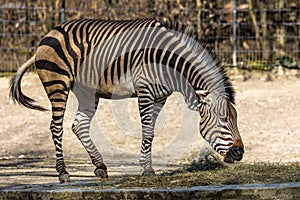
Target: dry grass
x=212, y=172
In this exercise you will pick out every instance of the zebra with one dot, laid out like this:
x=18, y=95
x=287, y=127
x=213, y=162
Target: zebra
x=142, y=58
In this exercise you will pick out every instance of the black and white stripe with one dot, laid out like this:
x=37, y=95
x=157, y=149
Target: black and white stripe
x=141, y=58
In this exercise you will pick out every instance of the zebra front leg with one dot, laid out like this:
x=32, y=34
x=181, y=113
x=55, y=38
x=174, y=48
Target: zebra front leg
x=158, y=105
x=81, y=127
x=147, y=141
x=146, y=108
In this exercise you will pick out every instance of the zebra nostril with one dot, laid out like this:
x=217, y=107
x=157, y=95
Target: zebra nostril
x=235, y=153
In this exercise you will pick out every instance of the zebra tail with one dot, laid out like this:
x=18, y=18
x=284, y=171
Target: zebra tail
x=15, y=87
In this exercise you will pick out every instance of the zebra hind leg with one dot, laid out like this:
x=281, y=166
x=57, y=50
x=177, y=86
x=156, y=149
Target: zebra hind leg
x=81, y=125
x=58, y=101
x=57, y=89
x=57, y=133
x=80, y=128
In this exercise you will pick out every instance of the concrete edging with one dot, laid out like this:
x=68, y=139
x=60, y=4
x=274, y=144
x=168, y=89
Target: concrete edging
x=89, y=190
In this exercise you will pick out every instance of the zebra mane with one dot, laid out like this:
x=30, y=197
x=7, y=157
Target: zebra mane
x=222, y=84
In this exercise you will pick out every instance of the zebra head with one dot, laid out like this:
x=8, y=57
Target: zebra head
x=218, y=125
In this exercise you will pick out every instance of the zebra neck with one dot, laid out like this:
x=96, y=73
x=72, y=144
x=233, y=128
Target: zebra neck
x=201, y=74
x=199, y=66
x=180, y=84
x=190, y=97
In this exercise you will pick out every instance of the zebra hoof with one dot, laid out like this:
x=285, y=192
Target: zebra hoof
x=102, y=173
x=148, y=173
x=64, y=177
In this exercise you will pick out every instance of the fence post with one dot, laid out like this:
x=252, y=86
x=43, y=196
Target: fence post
x=234, y=34
x=62, y=14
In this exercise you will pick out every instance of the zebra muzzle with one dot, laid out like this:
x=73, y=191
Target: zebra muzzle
x=235, y=153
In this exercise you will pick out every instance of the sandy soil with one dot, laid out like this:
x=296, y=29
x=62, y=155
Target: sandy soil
x=268, y=121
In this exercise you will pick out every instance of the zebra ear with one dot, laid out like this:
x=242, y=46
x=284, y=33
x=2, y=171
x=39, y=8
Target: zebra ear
x=202, y=93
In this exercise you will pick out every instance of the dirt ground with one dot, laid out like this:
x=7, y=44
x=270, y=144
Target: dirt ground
x=268, y=120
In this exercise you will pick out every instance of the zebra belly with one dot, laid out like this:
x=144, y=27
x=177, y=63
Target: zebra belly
x=122, y=89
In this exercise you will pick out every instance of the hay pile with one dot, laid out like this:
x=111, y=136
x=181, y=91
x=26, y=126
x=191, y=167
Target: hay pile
x=210, y=170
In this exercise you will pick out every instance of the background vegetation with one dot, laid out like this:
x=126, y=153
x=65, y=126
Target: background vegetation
x=268, y=32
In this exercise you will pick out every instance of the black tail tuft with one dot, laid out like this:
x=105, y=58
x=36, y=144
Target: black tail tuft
x=15, y=88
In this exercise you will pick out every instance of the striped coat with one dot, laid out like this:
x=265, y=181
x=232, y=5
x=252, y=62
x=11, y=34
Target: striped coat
x=141, y=58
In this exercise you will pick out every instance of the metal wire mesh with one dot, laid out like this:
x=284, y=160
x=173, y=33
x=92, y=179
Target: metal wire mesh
x=268, y=32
